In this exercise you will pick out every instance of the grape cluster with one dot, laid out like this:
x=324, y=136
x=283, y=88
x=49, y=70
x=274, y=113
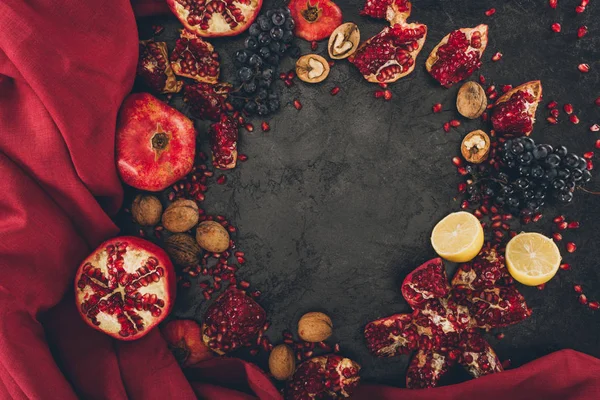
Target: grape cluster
x=270, y=39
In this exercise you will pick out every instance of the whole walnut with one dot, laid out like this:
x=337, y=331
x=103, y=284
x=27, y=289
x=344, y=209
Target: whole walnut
x=183, y=249
x=146, y=210
x=315, y=327
x=211, y=236
x=282, y=362
x=180, y=216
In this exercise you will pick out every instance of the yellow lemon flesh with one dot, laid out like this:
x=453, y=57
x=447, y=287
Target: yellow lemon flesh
x=532, y=259
x=458, y=237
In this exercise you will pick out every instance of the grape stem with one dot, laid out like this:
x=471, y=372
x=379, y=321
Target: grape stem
x=587, y=191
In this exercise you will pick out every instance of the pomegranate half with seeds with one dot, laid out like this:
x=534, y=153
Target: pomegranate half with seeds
x=426, y=282
x=324, y=377
x=457, y=55
x=194, y=58
x=514, y=111
x=212, y=18
x=223, y=142
x=391, y=54
x=154, y=68
x=125, y=287
x=155, y=144
x=394, y=11
x=233, y=321
x=315, y=19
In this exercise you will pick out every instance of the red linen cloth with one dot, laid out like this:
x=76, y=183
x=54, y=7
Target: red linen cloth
x=65, y=67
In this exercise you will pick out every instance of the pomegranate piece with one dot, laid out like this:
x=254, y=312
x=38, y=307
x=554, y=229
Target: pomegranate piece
x=155, y=144
x=315, y=19
x=426, y=368
x=484, y=271
x=223, y=142
x=477, y=356
x=514, y=111
x=184, y=338
x=391, y=336
x=194, y=58
x=125, y=287
x=457, y=55
x=394, y=11
x=233, y=321
x=211, y=18
x=391, y=54
x=154, y=68
x=206, y=101
x=497, y=307
x=427, y=281
x=324, y=377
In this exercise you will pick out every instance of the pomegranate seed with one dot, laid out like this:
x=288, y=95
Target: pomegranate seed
x=221, y=180
x=464, y=204
x=383, y=85
x=541, y=287
x=500, y=336
x=537, y=217
x=552, y=3
x=598, y=144
x=556, y=27
x=478, y=214
x=283, y=76
x=437, y=107
x=574, y=119
x=455, y=123
x=462, y=187
x=244, y=284
x=551, y=105
x=558, y=219
x=571, y=247
x=462, y=171
x=242, y=157
x=484, y=118
x=582, y=31
x=595, y=128
x=552, y=120
x=335, y=91
x=291, y=75
x=298, y=105
x=158, y=29
x=593, y=305
x=490, y=12
x=482, y=79
x=579, y=9
x=387, y=95
x=557, y=237
x=588, y=155
x=457, y=161
x=589, y=165
x=331, y=63
x=584, y=3
x=378, y=94
x=597, y=101
x=568, y=108
x=565, y=267
x=554, y=112
x=314, y=45
x=582, y=299
x=506, y=88
x=573, y=225
x=562, y=226
x=585, y=68
x=265, y=126
x=446, y=127
x=577, y=288
x=497, y=56
x=249, y=127
x=492, y=96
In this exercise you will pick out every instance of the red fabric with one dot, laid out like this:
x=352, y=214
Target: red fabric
x=65, y=66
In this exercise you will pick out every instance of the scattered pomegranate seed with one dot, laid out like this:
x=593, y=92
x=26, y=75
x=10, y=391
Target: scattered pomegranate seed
x=579, y=9
x=588, y=155
x=554, y=112
x=464, y=204
x=589, y=165
x=492, y=96
x=484, y=118
x=574, y=119
x=506, y=363
x=490, y=12
x=597, y=101
x=265, y=126
x=577, y=288
x=288, y=83
x=221, y=180
x=497, y=56
x=562, y=226
x=158, y=29
x=378, y=94
x=291, y=75
x=335, y=91
x=556, y=27
x=565, y=267
x=482, y=79
x=571, y=247
x=314, y=45
x=455, y=123
x=462, y=187
x=387, y=95
x=500, y=336
x=582, y=31
x=242, y=157
x=557, y=237
x=595, y=128
x=593, y=305
x=506, y=88
x=447, y=127
x=552, y=120
x=598, y=144
x=249, y=127
x=585, y=68
x=568, y=108
x=298, y=105
x=541, y=287
x=537, y=217
x=551, y=105
x=457, y=161
x=582, y=299
x=573, y=225
x=437, y=107
x=462, y=171
x=283, y=76
x=552, y=3
x=558, y=219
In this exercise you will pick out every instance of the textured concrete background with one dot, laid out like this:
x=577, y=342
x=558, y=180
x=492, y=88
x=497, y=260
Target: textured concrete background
x=336, y=203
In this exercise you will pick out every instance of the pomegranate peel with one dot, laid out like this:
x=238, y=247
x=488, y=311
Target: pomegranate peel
x=154, y=67
x=329, y=376
x=394, y=11
x=125, y=287
x=457, y=55
x=194, y=58
x=184, y=338
x=315, y=19
x=514, y=111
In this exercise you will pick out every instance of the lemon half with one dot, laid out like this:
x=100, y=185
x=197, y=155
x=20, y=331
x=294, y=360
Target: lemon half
x=532, y=258
x=458, y=237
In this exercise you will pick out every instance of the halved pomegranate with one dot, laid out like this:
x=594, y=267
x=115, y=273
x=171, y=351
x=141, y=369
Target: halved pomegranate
x=426, y=282
x=210, y=18
x=206, y=101
x=457, y=55
x=390, y=336
x=125, y=287
x=315, y=19
x=223, y=142
x=194, y=58
x=184, y=338
x=324, y=377
x=233, y=321
x=477, y=356
x=391, y=54
x=155, y=143
x=497, y=307
x=514, y=111
x=426, y=368
x=484, y=271
x=154, y=68
x=394, y=11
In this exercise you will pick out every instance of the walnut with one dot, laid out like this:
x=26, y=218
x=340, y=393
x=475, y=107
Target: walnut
x=475, y=147
x=282, y=362
x=471, y=101
x=211, y=236
x=183, y=249
x=180, y=216
x=315, y=327
x=146, y=210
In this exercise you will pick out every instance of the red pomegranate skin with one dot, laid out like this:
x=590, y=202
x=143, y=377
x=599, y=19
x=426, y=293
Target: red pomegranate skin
x=155, y=144
x=125, y=287
x=315, y=19
x=184, y=337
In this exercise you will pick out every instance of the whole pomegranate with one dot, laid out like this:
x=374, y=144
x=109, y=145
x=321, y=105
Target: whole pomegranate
x=210, y=18
x=324, y=377
x=315, y=19
x=155, y=144
x=514, y=111
x=184, y=338
x=125, y=287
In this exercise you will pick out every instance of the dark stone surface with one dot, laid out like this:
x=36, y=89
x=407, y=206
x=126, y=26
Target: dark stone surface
x=336, y=203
